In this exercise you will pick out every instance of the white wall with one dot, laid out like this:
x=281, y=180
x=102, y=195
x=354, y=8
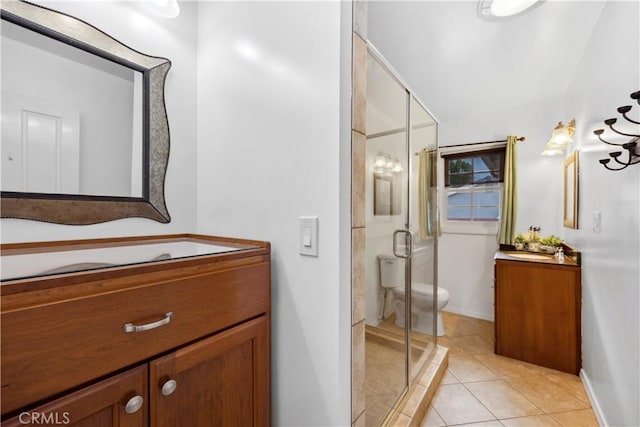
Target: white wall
x=539, y=199
x=608, y=73
x=175, y=39
x=269, y=135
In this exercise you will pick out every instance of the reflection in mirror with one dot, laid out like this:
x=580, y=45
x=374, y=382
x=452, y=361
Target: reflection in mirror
x=570, y=203
x=423, y=219
x=85, y=137
x=55, y=137
x=386, y=338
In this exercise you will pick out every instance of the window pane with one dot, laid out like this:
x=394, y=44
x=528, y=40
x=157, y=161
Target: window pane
x=484, y=177
x=459, y=213
x=461, y=179
x=486, y=213
x=486, y=198
x=459, y=199
x=479, y=165
x=460, y=165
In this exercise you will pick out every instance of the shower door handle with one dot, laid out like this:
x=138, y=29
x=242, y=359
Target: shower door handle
x=408, y=244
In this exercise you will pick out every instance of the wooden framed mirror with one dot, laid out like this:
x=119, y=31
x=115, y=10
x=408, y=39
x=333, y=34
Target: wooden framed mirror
x=85, y=135
x=570, y=199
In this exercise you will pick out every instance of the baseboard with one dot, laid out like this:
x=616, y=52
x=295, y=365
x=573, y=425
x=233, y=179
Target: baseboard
x=468, y=313
x=375, y=322
x=592, y=398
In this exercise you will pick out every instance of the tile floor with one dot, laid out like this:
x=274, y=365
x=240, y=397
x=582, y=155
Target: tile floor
x=484, y=389
x=385, y=366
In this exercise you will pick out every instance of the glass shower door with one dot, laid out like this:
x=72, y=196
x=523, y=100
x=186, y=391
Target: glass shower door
x=401, y=236
x=423, y=222
x=386, y=339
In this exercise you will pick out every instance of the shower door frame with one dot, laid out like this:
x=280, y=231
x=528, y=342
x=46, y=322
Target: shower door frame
x=410, y=376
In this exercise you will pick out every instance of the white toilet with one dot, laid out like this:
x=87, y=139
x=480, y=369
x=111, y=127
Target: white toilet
x=392, y=276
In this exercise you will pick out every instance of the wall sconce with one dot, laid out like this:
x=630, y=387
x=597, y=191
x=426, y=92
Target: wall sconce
x=560, y=138
x=386, y=164
x=633, y=157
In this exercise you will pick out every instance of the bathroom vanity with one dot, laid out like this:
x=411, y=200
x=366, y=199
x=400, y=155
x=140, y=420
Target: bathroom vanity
x=160, y=331
x=538, y=309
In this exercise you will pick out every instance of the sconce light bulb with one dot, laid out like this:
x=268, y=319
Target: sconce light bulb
x=380, y=161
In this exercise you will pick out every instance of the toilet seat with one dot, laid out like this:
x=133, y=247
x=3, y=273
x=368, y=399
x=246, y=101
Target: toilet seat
x=423, y=289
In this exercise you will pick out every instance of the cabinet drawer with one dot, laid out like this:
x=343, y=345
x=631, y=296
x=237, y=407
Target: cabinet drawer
x=55, y=347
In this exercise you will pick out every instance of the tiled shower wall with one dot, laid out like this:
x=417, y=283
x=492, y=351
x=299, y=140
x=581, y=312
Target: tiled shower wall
x=358, y=168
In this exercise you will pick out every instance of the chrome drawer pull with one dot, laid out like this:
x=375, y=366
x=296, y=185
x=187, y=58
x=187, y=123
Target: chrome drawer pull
x=169, y=387
x=134, y=404
x=130, y=327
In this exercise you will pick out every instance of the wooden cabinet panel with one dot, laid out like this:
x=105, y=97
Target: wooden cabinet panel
x=65, y=333
x=99, y=405
x=220, y=381
x=89, y=340
x=537, y=314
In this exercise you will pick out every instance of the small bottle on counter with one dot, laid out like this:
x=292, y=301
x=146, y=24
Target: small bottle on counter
x=560, y=255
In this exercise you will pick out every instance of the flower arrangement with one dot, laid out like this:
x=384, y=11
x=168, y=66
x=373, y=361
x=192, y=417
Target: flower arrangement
x=550, y=243
x=519, y=240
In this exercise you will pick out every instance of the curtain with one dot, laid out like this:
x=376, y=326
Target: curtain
x=509, y=199
x=427, y=213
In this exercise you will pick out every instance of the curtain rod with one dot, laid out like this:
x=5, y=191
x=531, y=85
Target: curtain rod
x=518, y=138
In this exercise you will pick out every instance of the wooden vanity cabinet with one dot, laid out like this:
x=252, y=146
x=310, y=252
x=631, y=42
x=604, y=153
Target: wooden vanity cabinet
x=66, y=352
x=220, y=381
x=99, y=405
x=537, y=313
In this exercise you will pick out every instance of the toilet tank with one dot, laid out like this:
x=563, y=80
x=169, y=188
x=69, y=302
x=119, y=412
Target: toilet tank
x=391, y=271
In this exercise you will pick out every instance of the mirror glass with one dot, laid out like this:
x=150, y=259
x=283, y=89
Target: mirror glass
x=55, y=137
x=85, y=136
x=570, y=202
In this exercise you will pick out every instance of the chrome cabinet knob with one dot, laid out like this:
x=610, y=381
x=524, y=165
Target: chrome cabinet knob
x=134, y=404
x=169, y=387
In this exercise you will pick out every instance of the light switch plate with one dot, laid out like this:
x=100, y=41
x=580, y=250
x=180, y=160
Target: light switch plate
x=308, y=235
x=597, y=222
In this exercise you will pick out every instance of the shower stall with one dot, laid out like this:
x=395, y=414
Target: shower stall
x=401, y=239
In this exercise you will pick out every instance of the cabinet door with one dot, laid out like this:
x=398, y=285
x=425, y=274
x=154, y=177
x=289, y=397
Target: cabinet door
x=120, y=401
x=222, y=380
x=538, y=314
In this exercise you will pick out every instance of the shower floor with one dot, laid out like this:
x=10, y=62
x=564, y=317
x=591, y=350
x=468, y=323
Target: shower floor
x=385, y=366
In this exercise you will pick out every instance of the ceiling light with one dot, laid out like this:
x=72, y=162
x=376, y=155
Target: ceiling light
x=502, y=9
x=165, y=8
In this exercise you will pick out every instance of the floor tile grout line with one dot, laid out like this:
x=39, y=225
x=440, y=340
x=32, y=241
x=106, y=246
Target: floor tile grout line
x=525, y=397
x=562, y=385
x=506, y=382
x=476, y=397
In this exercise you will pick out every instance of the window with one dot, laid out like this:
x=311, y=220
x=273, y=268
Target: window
x=473, y=185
